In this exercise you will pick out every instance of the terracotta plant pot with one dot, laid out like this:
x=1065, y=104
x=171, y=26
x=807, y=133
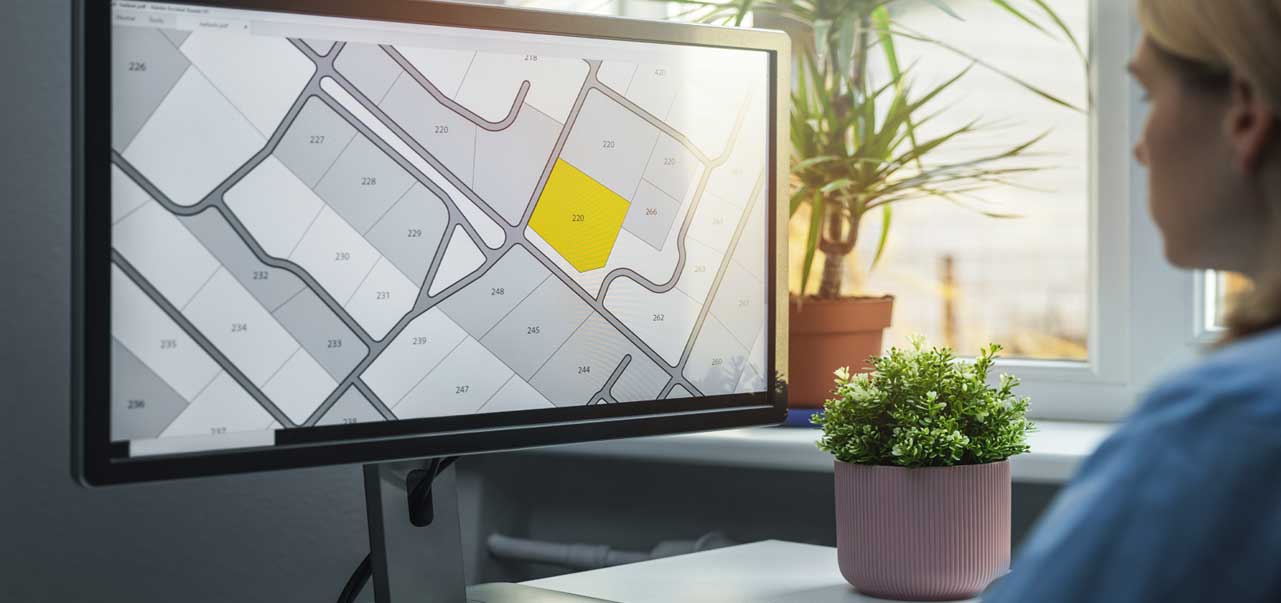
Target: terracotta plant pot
x=928, y=534
x=827, y=335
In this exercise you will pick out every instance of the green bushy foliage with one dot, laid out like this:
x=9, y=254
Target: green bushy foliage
x=922, y=408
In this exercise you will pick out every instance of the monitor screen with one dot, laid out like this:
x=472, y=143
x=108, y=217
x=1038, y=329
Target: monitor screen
x=319, y=224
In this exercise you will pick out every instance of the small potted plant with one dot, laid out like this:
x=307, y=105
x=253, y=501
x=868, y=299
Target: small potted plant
x=922, y=474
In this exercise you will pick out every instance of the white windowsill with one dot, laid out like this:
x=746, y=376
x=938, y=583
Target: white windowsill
x=1058, y=447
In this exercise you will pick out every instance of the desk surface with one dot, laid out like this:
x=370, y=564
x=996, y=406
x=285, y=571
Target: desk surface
x=771, y=571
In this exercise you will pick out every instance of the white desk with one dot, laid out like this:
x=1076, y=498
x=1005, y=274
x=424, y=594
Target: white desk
x=771, y=571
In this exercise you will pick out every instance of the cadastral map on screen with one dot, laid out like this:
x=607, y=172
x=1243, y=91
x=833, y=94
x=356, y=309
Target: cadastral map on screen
x=321, y=221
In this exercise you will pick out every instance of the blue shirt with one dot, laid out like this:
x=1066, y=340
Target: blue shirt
x=1182, y=503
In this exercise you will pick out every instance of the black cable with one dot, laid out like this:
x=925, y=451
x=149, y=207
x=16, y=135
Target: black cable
x=357, y=581
x=419, y=499
x=421, y=494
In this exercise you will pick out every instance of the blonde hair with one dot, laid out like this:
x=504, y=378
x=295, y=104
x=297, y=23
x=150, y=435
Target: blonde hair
x=1209, y=39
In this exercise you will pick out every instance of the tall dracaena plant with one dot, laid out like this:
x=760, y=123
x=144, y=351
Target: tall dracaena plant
x=855, y=141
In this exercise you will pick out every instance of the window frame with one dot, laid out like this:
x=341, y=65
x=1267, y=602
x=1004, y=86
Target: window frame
x=1139, y=305
x=1204, y=328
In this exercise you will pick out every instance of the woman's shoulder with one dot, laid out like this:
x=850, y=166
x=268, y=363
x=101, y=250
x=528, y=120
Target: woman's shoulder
x=1215, y=422
x=1240, y=382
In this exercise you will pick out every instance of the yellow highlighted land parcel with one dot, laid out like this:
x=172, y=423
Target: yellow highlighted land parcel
x=578, y=217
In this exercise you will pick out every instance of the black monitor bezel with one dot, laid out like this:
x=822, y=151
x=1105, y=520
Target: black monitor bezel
x=96, y=459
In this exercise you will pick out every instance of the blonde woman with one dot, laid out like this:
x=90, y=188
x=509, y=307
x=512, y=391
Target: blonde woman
x=1184, y=502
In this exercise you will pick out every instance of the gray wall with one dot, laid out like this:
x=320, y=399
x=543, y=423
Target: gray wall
x=289, y=536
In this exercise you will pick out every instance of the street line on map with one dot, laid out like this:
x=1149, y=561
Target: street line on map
x=451, y=104
x=176, y=315
x=604, y=392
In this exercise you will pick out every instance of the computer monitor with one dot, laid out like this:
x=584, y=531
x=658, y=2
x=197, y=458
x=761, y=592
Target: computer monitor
x=320, y=232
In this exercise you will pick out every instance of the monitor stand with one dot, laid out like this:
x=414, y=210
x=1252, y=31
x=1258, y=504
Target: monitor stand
x=413, y=564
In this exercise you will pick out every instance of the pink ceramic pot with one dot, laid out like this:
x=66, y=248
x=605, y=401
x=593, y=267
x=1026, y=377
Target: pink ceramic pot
x=929, y=534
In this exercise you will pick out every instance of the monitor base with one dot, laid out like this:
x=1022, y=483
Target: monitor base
x=416, y=555
x=498, y=592
x=415, y=559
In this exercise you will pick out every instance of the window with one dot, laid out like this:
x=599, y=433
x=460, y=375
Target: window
x=962, y=278
x=1077, y=289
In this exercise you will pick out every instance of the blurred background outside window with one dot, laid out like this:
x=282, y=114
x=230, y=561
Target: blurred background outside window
x=1221, y=290
x=598, y=7
x=962, y=278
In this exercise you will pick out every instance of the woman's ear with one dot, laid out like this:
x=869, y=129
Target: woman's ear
x=1251, y=124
